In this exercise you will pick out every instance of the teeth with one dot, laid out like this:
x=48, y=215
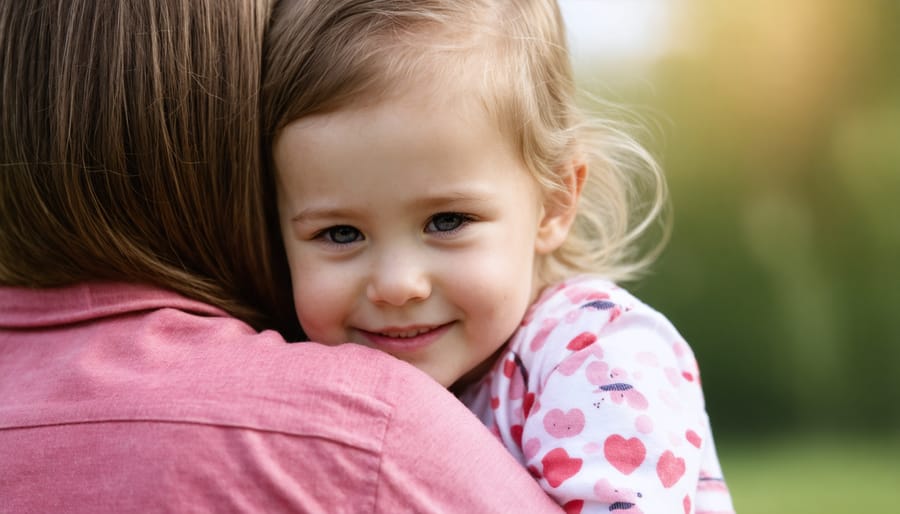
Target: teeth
x=406, y=333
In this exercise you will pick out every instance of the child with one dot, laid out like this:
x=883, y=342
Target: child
x=442, y=199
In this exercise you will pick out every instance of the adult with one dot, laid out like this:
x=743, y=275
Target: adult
x=136, y=276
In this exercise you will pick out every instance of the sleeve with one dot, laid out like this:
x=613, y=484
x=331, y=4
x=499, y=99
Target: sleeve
x=438, y=458
x=618, y=424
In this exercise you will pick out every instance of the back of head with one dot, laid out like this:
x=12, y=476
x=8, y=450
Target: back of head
x=129, y=147
x=325, y=56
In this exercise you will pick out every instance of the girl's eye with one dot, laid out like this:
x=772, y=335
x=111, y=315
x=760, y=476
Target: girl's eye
x=341, y=234
x=447, y=222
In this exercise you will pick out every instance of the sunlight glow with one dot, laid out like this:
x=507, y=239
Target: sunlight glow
x=617, y=30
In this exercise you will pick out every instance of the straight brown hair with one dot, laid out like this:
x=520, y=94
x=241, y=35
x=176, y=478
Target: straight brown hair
x=130, y=150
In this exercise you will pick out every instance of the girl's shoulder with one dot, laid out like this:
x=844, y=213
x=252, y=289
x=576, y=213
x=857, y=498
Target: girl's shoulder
x=585, y=312
x=584, y=293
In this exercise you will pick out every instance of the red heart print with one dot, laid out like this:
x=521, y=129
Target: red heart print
x=624, y=454
x=516, y=432
x=527, y=403
x=573, y=507
x=687, y=504
x=669, y=468
x=559, y=467
x=581, y=341
x=509, y=367
x=693, y=438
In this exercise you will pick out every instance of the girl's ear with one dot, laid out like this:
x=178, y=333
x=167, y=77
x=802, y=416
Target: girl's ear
x=560, y=208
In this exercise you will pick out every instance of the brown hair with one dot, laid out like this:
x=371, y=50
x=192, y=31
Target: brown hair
x=325, y=56
x=130, y=149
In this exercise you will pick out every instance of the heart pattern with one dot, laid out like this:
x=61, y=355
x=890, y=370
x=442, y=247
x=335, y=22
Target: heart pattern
x=559, y=466
x=516, y=432
x=509, y=367
x=561, y=424
x=581, y=341
x=531, y=448
x=693, y=438
x=547, y=326
x=574, y=361
x=670, y=469
x=624, y=454
x=528, y=403
x=598, y=406
x=573, y=507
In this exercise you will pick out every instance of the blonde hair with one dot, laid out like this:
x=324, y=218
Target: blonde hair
x=130, y=149
x=324, y=56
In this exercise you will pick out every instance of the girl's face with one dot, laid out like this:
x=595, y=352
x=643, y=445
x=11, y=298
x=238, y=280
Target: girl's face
x=412, y=227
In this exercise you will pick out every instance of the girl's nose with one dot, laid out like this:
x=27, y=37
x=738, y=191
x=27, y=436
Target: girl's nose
x=396, y=280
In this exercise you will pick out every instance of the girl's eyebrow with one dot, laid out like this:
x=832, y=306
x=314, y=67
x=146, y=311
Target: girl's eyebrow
x=319, y=213
x=315, y=213
x=459, y=195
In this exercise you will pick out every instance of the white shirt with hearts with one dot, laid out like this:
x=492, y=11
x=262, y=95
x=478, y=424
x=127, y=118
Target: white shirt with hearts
x=599, y=397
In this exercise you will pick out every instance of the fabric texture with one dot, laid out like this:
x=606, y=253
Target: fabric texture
x=122, y=398
x=599, y=397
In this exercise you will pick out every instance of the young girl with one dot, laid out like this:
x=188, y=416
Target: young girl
x=442, y=199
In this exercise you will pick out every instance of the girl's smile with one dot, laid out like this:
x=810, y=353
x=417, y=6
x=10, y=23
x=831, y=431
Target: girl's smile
x=403, y=340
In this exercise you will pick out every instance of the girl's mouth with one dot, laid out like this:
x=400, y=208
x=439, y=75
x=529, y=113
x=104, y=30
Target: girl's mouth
x=405, y=334
x=405, y=339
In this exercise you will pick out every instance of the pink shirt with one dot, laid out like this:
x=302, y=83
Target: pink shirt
x=599, y=397
x=119, y=398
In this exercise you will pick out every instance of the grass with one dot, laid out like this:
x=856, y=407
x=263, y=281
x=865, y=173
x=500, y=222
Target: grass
x=813, y=474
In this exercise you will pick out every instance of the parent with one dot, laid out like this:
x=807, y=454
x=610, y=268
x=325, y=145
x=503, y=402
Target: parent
x=136, y=272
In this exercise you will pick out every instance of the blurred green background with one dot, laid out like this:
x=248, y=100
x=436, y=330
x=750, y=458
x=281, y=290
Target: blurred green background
x=778, y=125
